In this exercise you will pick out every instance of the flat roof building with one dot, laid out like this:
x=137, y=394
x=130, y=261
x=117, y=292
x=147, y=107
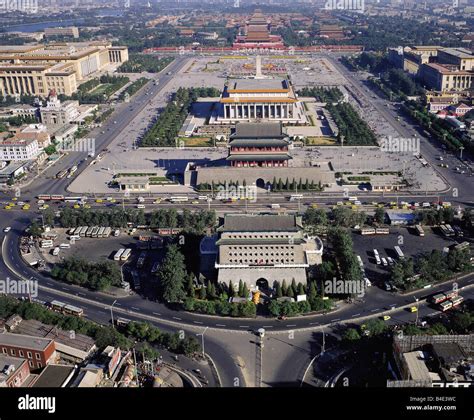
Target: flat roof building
x=262, y=249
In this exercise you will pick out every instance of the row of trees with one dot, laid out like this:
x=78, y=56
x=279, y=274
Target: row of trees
x=343, y=249
x=165, y=130
x=430, y=268
x=197, y=221
x=103, y=335
x=95, y=276
x=138, y=63
x=355, y=130
x=322, y=94
x=133, y=88
x=87, y=93
x=434, y=217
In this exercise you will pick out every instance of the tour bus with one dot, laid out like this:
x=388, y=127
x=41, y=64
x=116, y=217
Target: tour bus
x=77, y=231
x=126, y=255
x=202, y=197
x=64, y=308
x=118, y=254
x=399, y=252
x=382, y=231
x=294, y=197
x=95, y=231
x=438, y=298
x=89, y=231
x=83, y=231
x=377, y=257
x=367, y=231
x=43, y=197
x=179, y=199
x=419, y=230
x=107, y=232
x=57, y=197
x=462, y=246
x=122, y=322
x=72, y=199
x=61, y=174
x=450, y=230
x=46, y=243
x=445, y=305
x=74, y=237
x=456, y=301
x=100, y=233
x=64, y=246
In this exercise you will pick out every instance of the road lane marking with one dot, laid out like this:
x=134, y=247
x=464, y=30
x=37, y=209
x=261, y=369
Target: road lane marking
x=156, y=313
x=135, y=308
x=353, y=316
x=175, y=317
x=291, y=325
x=335, y=320
x=197, y=322
x=375, y=310
x=220, y=325
x=243, y=326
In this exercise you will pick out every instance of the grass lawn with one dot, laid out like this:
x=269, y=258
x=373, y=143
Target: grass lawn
x=195, y=141
x=101, y=89
x=320, y=141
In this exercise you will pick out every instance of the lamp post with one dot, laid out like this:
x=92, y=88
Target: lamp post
x=417, y=306
x=202, y=341
x=112, y=313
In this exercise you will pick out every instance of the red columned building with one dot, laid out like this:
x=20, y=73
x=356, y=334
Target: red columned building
x=258, y=144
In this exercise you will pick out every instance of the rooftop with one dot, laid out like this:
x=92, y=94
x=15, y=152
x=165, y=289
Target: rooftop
x=258, y=130
x=258, y=85
x=25, y=341
x=54, y=376
x=260, y=223
x=416, y=366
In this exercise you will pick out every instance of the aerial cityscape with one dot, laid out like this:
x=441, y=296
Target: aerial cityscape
x=237, y=194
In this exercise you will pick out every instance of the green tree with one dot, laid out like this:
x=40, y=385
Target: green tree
x=351, y=335
x=172, y=274
x=379, y=215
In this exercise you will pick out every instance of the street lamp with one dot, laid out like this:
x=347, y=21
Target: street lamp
x=202, y=342
x=417, y=306
x=112, y=313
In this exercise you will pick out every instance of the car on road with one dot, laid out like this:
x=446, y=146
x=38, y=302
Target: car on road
x=7, y=229
x=386, y=317
x=413, y=309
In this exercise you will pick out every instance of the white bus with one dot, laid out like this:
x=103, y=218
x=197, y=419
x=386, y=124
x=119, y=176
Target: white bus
x=95, y=231
x=179, y=199
x=118, y=254
x=126, y=255
x=83, y=232
x=377, y=257
x=100, y=233
x=46, y=243
x=64, y=246
x=367, y=231
x=399, y=252
x=294, y=197
x=107, y=232
x=419, y=230
x=382, y=231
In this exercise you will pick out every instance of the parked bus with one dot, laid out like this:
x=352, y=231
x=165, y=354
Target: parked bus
x=462, y=246
x=107, y=232
x=377, y=257
x=61, y=174
x=77, y=231
x=94, y=232
x=84, y=230
x=382, y=231
x=456, y=301
x=126, y=255
x=419, y=230
x=89, y=231
x=438, y=298
x=46, y=243
x=399, y=252
x=446, y=231
x=100, y=233
x=450, y=230
x=118, y=254
x=367, y=231
x=445, y=305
